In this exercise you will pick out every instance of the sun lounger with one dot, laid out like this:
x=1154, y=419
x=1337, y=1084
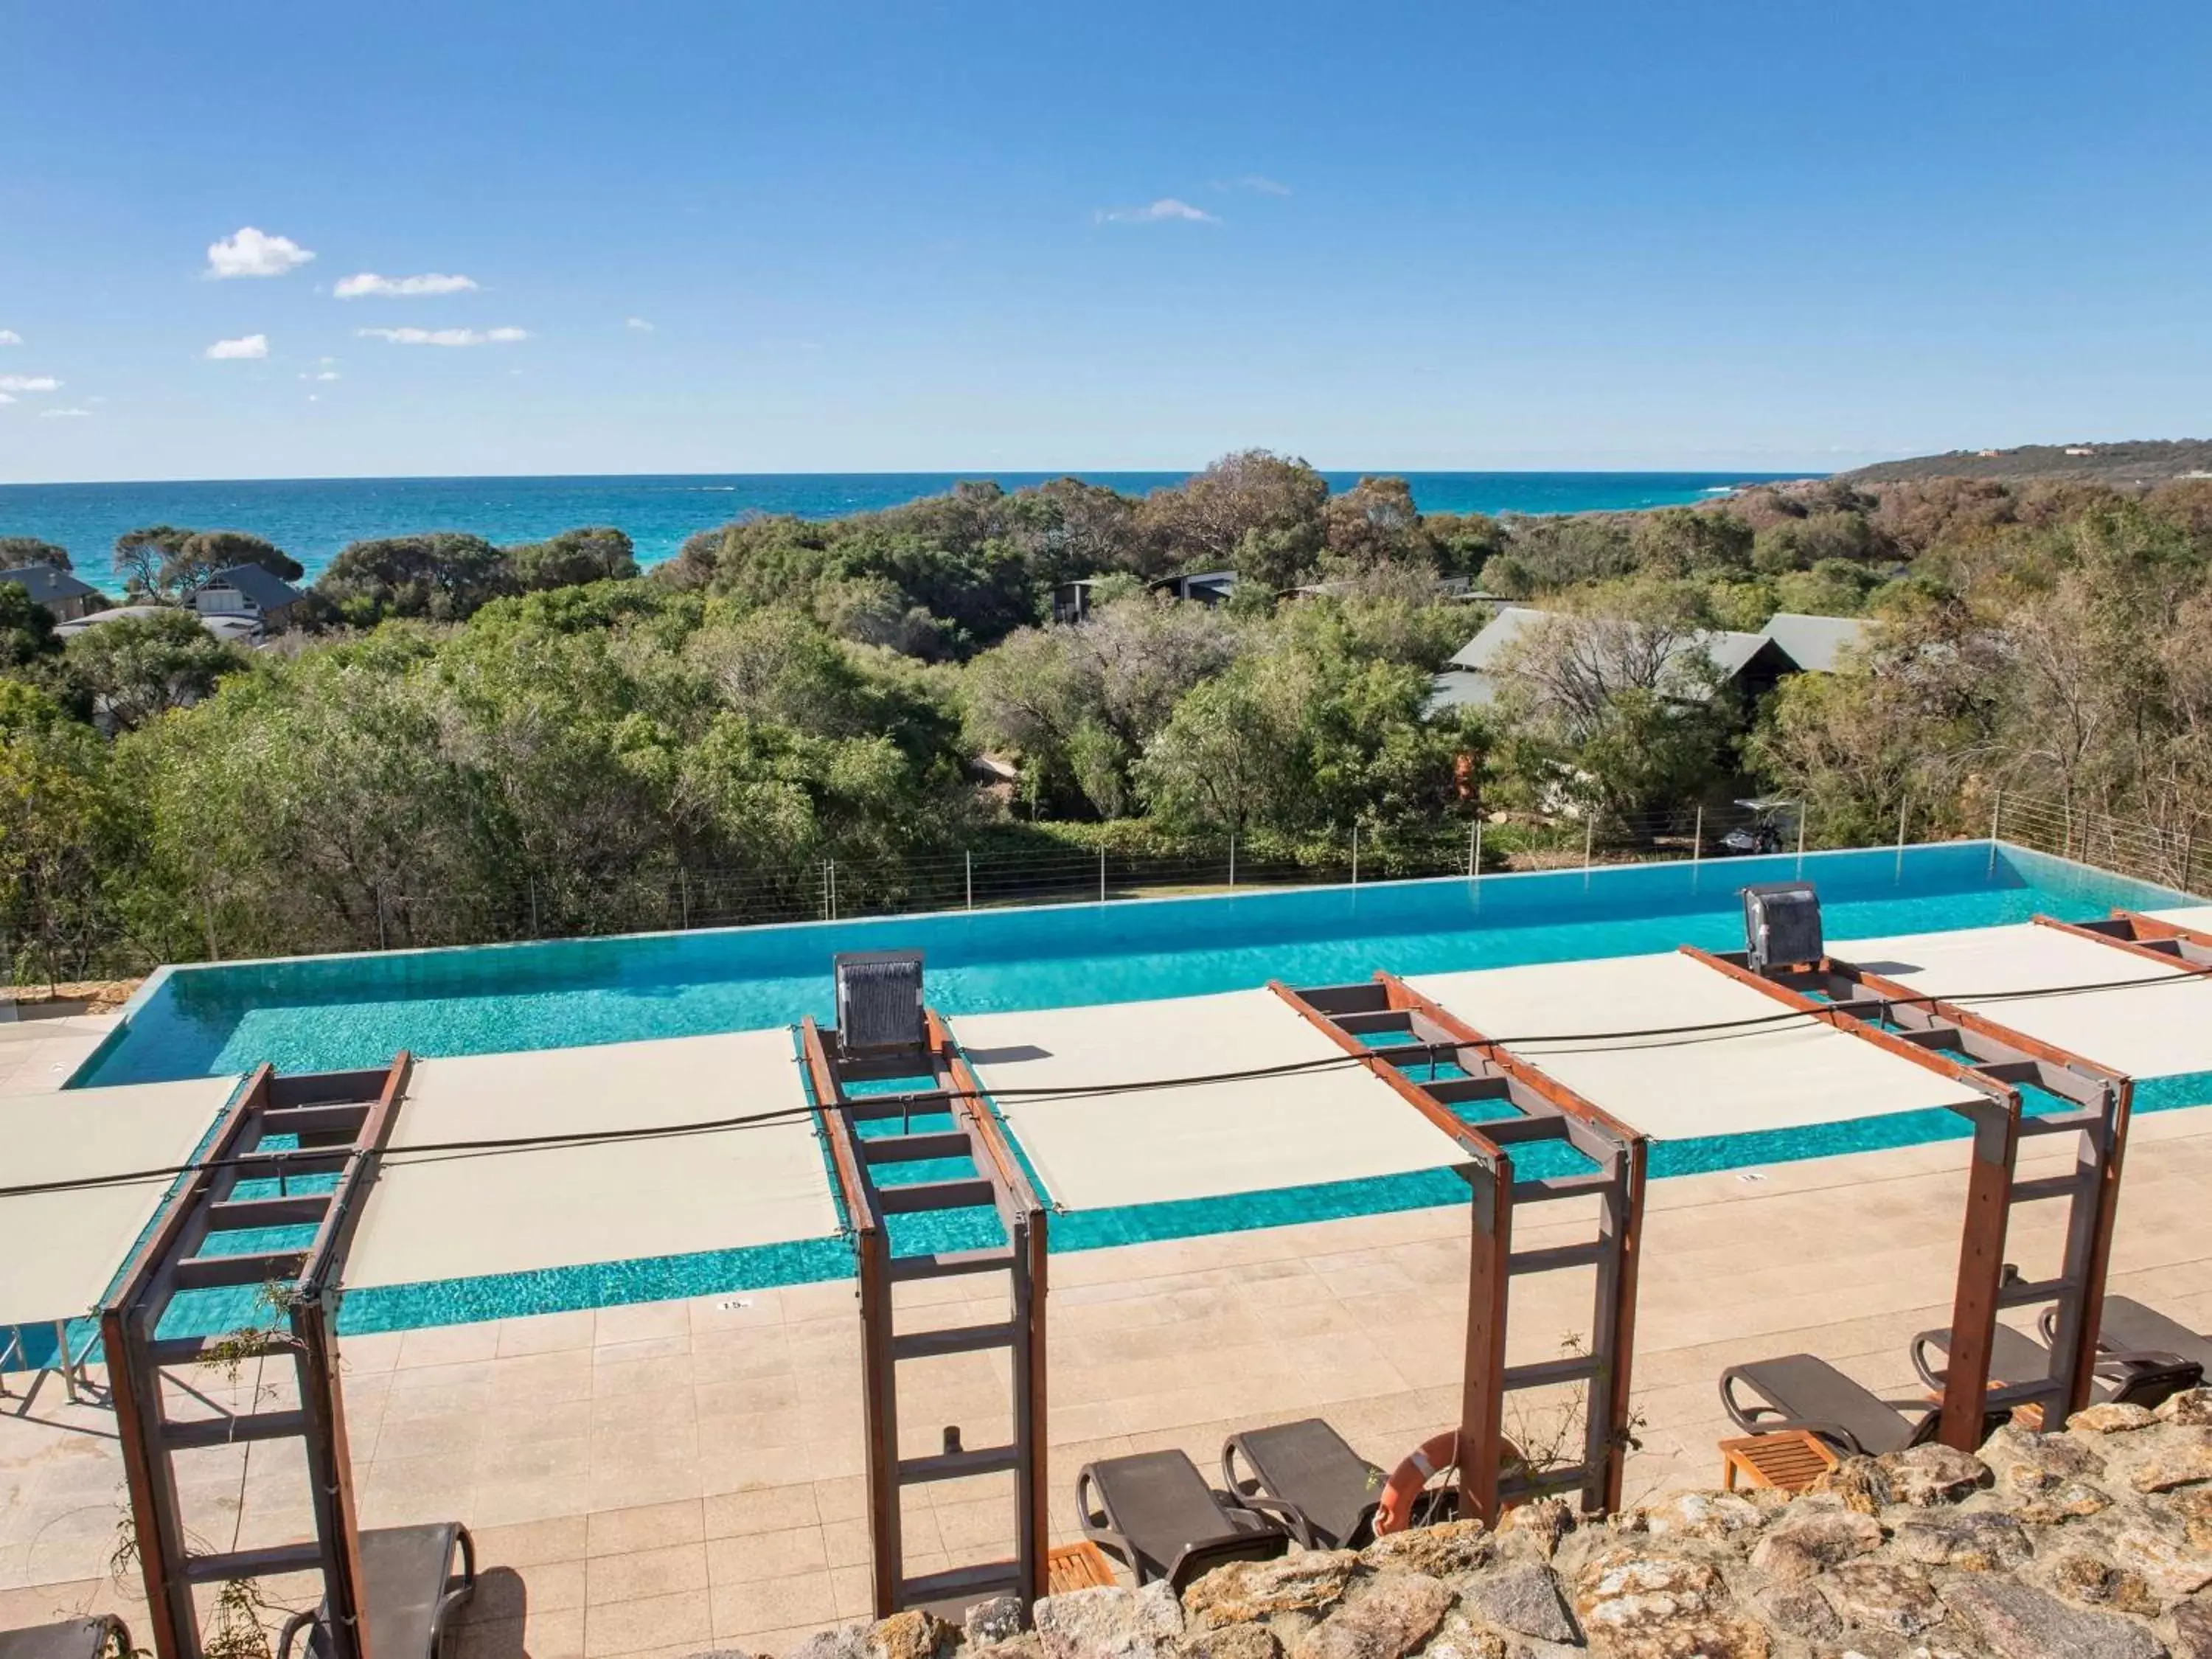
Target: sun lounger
x=1800, y=1391
x=407, y=1591
x=73, y=1638
x=2125, y=1377
x=1155, y=1511
x=2131, y=1331
x=1304, y=1475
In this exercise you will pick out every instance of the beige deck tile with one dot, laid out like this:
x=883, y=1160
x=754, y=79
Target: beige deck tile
x=806, y=1599
x=650, y=1622
x=666, y=1570
x=621, y=1531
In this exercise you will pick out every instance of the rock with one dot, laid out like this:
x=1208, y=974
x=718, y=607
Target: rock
x=992, y=1621
x=2017, y=1622
x=2172, y=1568
x=1861, y=1482
x=2109, y=1419
x=1984, y=1541
x=1799, y=1609
x=1391, y=1618
x=1546, y=1522
x=1637, y=1604
x=1459, y=1638
x=2191, y=1408
x=845, y=1642
x=2072, y=1499
x=1522, y=1599
x=1245, y=1590
x=1887, y=1595
x=1927, y=1475
x=915, y=1634
x=1453, y=1547
x=2176, y=1463
x=1233, y=1642
x=1808, y=1539
x=2085, y=1578
x=1722, y=1516
x=2192, y=1631
x=1110, y=1622
x=2027, y=1461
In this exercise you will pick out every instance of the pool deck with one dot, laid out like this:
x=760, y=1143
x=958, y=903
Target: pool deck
x=673, y=1476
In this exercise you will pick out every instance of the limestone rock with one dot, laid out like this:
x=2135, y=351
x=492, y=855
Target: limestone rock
x=1981, y=1541
x=1453, y=1547
x=2070, y=1499
x=2027, y=1461
x=996, y=1619
x=2018, y=1621
x=2191, y=1408
x=1799, y=1609
x=2085, y=1578
x=1233, y=1642
x=1523, y=1599
x=1392, y=1618
x=2110, y=1420
x=915, y=1634
x=1638, y=1604
x=2177, y=1463
x=1808, y=1539
x=1722, y=1516
x=1887, y=1595
x=1459, y=1638
x=1927, y=1475
x=1306, y=1582
x=1109, y=1622
x=2192, y=1631
x=2174, y=1569
x=1861, y=1482
x=1545, y=1522
x=845, y=1642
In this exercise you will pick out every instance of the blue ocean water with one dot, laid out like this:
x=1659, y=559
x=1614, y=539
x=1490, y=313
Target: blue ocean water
x=313, y=517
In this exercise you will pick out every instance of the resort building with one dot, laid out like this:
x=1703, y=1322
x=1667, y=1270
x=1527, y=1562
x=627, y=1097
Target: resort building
x=250, y=591
x=64, y=596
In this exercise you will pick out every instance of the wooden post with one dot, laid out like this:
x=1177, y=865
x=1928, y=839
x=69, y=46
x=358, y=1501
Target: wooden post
x=1620, y=1352
x=1981, y=1276
x=1482, y=1388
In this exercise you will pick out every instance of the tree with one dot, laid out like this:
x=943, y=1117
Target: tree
x=1223, y=761
x=59, y=839
x=27, y=631
x=597, y=553
x=1256, y=512
x=137, y=668
x=15, y=551
x=441, y=575
x=141, y=557
x=207, y=551
x=1376, y=522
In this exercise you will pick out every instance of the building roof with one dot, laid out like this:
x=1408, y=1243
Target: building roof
x=48, y=583
x=263, y=586
x=1815, y=644
x=235, y=630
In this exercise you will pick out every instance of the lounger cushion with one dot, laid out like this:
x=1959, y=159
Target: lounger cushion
x=1809, y=1391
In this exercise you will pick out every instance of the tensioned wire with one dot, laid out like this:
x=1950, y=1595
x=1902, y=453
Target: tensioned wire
x=399, y=1156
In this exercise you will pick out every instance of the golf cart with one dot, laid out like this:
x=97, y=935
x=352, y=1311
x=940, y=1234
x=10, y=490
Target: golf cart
x=1770, y=817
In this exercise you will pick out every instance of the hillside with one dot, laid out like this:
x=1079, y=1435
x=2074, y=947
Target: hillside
x=2119, y=464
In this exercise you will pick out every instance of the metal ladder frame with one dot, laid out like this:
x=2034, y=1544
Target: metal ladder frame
x=1550, y=1112
x=999, y=1183
x=1857, y=1000
x=342, y=1121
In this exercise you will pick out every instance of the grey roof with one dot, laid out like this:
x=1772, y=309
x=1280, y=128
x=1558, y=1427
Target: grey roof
x=1814, y=643
x=1461, y=688
x=240, y=627
x=1481, y=652
x=48, y=583
x=263, y=586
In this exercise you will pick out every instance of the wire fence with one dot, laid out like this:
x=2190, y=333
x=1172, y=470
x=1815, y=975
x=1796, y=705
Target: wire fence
x=2175, y=854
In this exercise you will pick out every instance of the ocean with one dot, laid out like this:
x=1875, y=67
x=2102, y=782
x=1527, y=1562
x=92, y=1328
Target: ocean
x=311, y=519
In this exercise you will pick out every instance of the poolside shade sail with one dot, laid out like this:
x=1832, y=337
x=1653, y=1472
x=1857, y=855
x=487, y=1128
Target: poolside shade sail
x=435, y=1215
x=1774, y=1074
x=2157, y=1023
x=1154, y=1144
x=58, y=1251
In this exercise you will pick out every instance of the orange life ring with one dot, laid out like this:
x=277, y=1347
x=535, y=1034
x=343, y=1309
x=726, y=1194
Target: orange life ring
x=1395, y=1512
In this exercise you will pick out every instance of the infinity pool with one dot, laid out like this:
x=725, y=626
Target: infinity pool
x=325, y=1013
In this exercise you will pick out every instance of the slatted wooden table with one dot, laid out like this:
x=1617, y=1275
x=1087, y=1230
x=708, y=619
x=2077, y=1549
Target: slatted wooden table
x=1789, y=1461
x=1077, y=1566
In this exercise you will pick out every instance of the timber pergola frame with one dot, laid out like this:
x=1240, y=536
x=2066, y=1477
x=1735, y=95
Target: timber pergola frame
x=999, y=1183
x=1999, y=1058
x=1348, y=1015
x=340, y=1122
x=2170, y=943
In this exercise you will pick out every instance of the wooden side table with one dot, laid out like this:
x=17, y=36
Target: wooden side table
x=1076, y=1566
x=1789, y=1460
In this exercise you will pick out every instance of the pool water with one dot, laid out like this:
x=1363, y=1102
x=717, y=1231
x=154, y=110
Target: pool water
x=329, y=1013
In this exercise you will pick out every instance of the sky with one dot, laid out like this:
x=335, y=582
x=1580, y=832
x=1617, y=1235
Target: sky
x=262, y=242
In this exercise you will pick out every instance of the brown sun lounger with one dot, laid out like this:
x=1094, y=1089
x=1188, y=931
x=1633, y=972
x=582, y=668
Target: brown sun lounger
x=409, y=1590
x=1801, y=1391
x=73, y=1638
x=2125, y=1377
x=2130, y=1331
x=1155, y=1511
x=1304, y=1475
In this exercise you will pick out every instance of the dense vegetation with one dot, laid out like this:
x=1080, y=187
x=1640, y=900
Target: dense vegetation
x=470, y=742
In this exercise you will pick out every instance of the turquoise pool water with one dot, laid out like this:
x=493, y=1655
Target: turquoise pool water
x=325, y=1013
x=332, y=1013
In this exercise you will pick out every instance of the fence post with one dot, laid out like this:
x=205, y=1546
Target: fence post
x=1802, y=814
x=825, y=889
x=1478, y=849
x=1102, y=873
x=833, y=890
x=1901, y=807
x=379, y=915
x=1355, y=855
x=1590, y=837
x=1232, y=861
x=971, y=880
x=1698, y=835
x=683, y=900
x=533, y=907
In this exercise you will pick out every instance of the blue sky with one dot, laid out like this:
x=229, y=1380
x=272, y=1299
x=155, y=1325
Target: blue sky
x=914, y=236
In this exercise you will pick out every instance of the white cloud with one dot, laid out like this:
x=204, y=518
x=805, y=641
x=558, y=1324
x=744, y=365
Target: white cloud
x=445, y=337
x=321, y=374
x=5, y=399
x=8, y=337
x=369, y=285
x=30, y=383
x=639, y=323
x=1160, y=212
x=246, y=346
x=1258, y=183
x=64, y=414
x=255, y=253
